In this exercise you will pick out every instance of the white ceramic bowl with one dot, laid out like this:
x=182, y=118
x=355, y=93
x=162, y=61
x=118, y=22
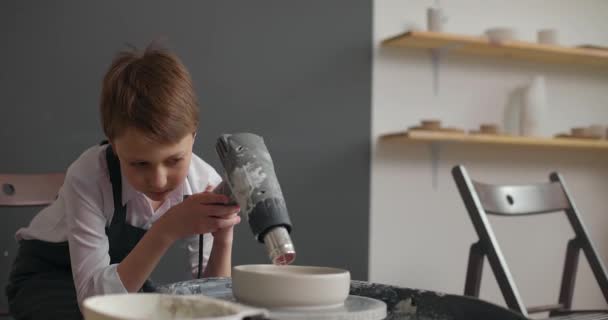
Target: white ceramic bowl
x=273, y=286
x=152, y=306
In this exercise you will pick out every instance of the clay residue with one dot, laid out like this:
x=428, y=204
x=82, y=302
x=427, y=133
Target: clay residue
x=405, y=307
x=179, y=308
x=244, y=180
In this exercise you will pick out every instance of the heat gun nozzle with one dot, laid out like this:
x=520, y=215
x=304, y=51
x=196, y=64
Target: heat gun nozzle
x=280, y=248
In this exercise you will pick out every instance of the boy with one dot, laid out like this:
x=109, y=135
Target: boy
x=122, y=204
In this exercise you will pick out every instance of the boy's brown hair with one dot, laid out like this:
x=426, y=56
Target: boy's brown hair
x=150, y=91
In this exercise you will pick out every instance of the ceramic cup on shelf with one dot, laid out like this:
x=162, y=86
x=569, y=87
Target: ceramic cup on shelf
x=501, y=34
x=435, y=19
x=430, y=124
x=579, y=132
x=597, y=131
x=548, y=36
x=489, y=128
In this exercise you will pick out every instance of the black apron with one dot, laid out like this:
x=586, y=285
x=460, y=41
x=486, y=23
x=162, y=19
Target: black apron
x=41, y=284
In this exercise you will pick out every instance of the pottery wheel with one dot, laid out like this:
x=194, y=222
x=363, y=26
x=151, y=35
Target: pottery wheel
x=355, y=307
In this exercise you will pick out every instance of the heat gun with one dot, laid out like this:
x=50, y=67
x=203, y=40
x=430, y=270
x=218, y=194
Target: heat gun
x=250, y=180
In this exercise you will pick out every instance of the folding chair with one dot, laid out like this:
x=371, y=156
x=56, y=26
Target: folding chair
x=514, y=201
x=28, y=190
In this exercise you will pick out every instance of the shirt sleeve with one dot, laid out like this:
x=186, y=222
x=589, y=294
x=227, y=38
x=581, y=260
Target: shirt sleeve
x=88, y=242
x=214, y=179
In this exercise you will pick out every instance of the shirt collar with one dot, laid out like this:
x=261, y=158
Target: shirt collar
x=176, y=195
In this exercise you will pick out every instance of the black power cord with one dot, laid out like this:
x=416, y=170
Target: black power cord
x=200, y=256
x=199, y=273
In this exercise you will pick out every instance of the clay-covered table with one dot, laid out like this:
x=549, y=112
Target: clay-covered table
x=402, y=303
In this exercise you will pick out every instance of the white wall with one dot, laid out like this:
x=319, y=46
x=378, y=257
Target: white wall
x=419, y=235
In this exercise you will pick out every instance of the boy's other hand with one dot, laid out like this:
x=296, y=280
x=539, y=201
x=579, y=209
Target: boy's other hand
x=224, y=236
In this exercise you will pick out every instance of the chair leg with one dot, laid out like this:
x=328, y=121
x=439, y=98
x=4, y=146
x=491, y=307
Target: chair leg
x=569, y=276
x=486, y=236
x=584, y=242
x=597, y=267
x=474, y=270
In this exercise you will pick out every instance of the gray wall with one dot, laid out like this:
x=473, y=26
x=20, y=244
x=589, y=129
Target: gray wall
x=296, y=72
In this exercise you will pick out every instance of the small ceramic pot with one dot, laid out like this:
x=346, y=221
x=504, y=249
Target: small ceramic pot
x=286, y=287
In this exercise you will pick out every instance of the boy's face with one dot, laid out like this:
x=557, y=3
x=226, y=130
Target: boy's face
x=153, y=169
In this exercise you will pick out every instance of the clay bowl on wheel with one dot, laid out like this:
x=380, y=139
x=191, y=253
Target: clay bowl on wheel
x=153, y=306
x=272, y=286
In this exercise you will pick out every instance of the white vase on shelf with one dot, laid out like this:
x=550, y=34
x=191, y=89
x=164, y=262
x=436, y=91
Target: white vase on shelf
x=534, y=108
x=512, y=111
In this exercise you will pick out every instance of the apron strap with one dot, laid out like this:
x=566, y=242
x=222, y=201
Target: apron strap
x=120, y=212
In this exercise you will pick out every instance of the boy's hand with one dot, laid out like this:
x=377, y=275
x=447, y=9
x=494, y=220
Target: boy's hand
x=200, y=213
x=224, y=236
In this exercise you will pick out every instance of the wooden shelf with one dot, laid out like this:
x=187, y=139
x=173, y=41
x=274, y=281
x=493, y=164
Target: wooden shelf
x=431, y=136
x=510, y=49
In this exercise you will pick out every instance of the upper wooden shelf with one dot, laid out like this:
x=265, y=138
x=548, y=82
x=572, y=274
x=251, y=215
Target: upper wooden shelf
x=515, y=49
x=433, y=136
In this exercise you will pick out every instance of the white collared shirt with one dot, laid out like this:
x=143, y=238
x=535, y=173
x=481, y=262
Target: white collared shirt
x=85, y=206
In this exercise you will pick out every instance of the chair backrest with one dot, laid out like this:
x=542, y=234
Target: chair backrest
x=522, y=199
x=22, y=190
x=481, y=199
x=29, y=189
